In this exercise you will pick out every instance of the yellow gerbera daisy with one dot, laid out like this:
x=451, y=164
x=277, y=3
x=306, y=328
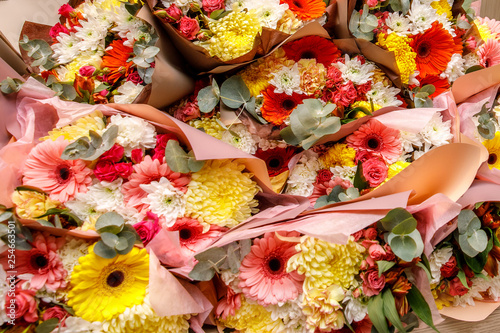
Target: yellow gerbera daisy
x=493, y=147
x=81, y=127
x=103, y=288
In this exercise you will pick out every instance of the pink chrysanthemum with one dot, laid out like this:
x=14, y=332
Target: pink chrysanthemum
x=325, y=187
x=263, y=275
x=42, y=263
x=377, y=139
x=191, y=236
x=489, y=53
x=147, y=171
x=62, y=179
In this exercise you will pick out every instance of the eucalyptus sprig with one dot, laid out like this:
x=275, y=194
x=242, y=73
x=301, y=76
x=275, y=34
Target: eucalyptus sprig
x=362, y=25
x=116, y=236
x=487, y=121
x=90, y=149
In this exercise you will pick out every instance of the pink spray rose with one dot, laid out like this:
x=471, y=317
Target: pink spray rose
x=374, y=171
x=188, y=27
x=86, y=70
x=136, y=155
x=114, y=154
x=372, y=283
x=135, y=78
x=457, y=288
x=57, y=29
x=187, y=112
x=55, y=312
x=212, y=5
x=24, y=304
x=174, y=13
x=147, y=228
x=66, y=10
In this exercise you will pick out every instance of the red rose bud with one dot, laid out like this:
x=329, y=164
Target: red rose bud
x=323, y=175
x=188, y=27
x=86, y=70
x=212, y=5
x=173, y=13
x=136, y=155
x=372, y=283
x=147, y=228
x=66, y=10
x=114, y=154
x=135, y=78
x=375, y=171
x=105, y=171
x=456, y=288
x=370, y=233
x=57, y=29
x=450, y=269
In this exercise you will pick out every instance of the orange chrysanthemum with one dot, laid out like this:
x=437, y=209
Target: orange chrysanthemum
x=434, y=49
x=306, y=9
x=312, y=47
x=277, y=107
x=115, y=60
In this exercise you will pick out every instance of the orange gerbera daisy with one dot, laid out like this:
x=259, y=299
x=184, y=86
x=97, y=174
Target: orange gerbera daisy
x=312, y=47
x=115, y=60
x=306, y=9
x=277, y=107
x=440, y=84
x=434, y=49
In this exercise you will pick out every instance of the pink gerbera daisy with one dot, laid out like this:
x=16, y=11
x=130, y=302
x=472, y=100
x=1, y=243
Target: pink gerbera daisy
x=489, y=53
x=147, y=171
x=325, y=187
x=263, y=275
x=62, y=179
x=378, y=139
x=41, y=265
x=229, y=304
x=191, y=236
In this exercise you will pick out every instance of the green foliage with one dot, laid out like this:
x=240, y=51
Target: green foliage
x=145, y=53
x=66, y=213
x=309, y=122
x=470, y=236
x=89, y=150
x=376, y=314
x=39, y=50
x=478, y=262
x=22, y=235
x=209, y=97
x=116, y=236
x=234, y=92
x=420, y=96
x=338, y=194
x=384, y=266
x=420, y=306
x=10, y=85
x=362, y=25
x=180, y=161
x=47, y=326
x=402, y=6
x=359, y=181
x=487, y=121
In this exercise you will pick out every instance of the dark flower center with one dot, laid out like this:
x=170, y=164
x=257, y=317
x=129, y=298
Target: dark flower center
x=424, y=49
x=39, y=261
x=288, y=104
x=492, y=159
x=274, y=163
x=274, y=265
x=298, y=4
x=487, y=63
x=115, y=279
x=63, y=173
x=373, y=143
x=308, y=55
x=185, y=234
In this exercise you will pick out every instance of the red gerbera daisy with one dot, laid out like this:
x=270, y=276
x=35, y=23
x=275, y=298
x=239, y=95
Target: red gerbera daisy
x=276, y=159
x=306, y=9
x=440, y=84
x=277, y=107
x=312, y=47
x=434, y=49
x=115, y=60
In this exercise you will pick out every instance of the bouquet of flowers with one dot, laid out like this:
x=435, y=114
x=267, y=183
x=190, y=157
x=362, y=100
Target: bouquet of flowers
x=232, y=32
x=101, y=53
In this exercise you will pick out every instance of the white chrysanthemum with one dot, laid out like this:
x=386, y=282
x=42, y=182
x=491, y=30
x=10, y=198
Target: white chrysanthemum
x=128, y=92
x=66, y=49
x=384, y=96
x=354, y=310
x=344, y=172
x=409, y=141
x=182, y=4
x=268, y=12
x=303, y=175
x=104, y=196
x=86, y=58
x=82, y=209
x=436, y=260
x=291, y=314
x=353, y=70
x=455, y=68
x=101, y=15
x=129, y=27
x=79, y=325
x=287, y=80
x=398, y=24
x=134, y=133
x=265, y=144
x=69, y=253
x=91, y=37
x=437, y=132
x=241, y=138
x=231, y=279
x=471, y=60
x=4, y=288
x=447, y=24
x=165, y=201
x=421, y=17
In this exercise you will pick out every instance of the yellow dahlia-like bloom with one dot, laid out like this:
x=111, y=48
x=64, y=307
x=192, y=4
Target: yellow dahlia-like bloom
x=324, y=264
x=484, y=31
x=209, y=125
x=442, y=7
x=312, y=76
x=142, y=318
x=405, y=57
x=289, y=23
x=322, y=308
x=233, y=35
x=103, y=288
x=81, y=127
x=222, y=194
x=253, y=318
x=396, y=168
x=31, y=204
x=493, y=147
x=340, y=155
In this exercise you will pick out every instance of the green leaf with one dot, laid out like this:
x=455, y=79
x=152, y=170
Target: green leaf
x=104, y=251
x=10, y=85
x=474, y=69
x=426, y=270
x=390, y=310
x=406, y=247
x=478, y=240
x=47, y=326
x=321, y=201
x=429, y=89
x=289, y=137
x=193, y=164
x=406, y=226
x=384, y=266
x=176, y=157
x=22, y=244
x=6, y=216
x=461, y=276
x=109, y=239
x=57, y=222
x=330, y=126
x=395, y=217
x=126, y=242
x=232, y=258
x=208, y=97
x=214, y=255
x=467, y=220
x=234, y=92
x=246, y=245
x=216, y=13
x=110, y=222
x=251, y=108
x=465, y=246
x=202, y=271
x=420, y=306
x=45, y=223
x=359, y=181
x=376, y=314
x=68, y=92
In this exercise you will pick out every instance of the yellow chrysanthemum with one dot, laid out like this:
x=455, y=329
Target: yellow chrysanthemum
x=322, y=308
x=340, y=155
x=396, y=168
x=484, y=31
x=221, y=193
x=312, y=76
x=103, y=288
x=81, y=127
x=367, y=106
x=442, y=7
x=233, y=35
x=142, y=318
x=289, y=23
x=324, y=264
x=405, y=57
x=493, y=147
x=31, y=204
x=209, y=125
x=88, y=58
x=253, y=318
